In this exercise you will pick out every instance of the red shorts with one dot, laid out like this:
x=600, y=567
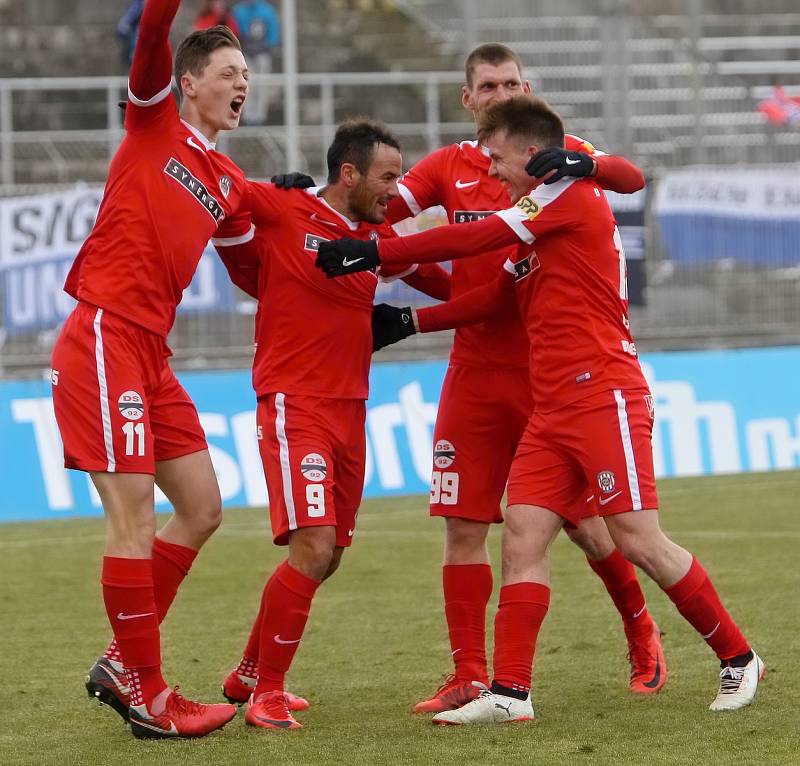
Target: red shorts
x=482, y=416
x=118, y=405
x=601, y=445
x=313, y=451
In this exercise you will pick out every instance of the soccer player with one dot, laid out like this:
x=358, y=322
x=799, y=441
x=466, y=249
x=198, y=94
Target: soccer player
x=311, y=376
x=591, y=427
x=122, y=414
x=486, y=400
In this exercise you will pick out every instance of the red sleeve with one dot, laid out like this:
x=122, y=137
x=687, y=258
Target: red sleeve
x=613, y=173
x=151, y=70
x=618, y=174
x=242, y=264
x=443, y=243
x=431, y=279
x=238, y=245
x=492, y=299
x=419, y=188
x=398, y=210
x=267, y=203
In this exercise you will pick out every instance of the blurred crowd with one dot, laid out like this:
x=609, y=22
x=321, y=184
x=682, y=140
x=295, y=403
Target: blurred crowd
x=255, y=22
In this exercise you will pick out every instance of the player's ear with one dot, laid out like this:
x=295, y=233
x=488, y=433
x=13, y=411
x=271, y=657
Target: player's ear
x=187, y=84
x=466, y=98
x=349, y=174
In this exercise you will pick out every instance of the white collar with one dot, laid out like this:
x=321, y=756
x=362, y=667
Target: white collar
x=315, y=191
x=209, y=145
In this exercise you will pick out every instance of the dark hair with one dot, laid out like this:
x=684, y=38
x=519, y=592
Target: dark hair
x=355, y=142
x=193, y=52
x=490, y=53
x=524, y=117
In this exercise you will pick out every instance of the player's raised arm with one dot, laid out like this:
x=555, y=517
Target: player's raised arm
x=151, y=70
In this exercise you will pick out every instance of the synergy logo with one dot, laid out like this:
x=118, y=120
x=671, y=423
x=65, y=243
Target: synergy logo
x=195, y=187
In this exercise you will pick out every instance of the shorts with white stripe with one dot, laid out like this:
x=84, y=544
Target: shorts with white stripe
x=601, y=445
x=118, y=405
x=313, y=450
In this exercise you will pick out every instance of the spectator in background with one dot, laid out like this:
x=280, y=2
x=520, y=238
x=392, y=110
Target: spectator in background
x=212, y=13
x=128, y=29
x=260, y=34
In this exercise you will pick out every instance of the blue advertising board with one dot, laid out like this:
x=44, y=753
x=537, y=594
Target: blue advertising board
x=716, y=412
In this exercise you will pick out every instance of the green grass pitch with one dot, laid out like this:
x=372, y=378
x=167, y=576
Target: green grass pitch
x=376, y=642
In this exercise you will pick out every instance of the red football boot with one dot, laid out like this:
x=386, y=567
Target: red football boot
x=237, y=688
x=270, y=711
x=648, y=666
x=180, y=718
x=452, y=694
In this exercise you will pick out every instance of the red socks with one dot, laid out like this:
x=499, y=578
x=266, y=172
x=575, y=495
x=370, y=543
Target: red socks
x=523, y=607
x=248, y=665
x=171, y=564
x=467, y=590
x=131, y=609
x=698, y=602
x=619, y=577
x=285, y=605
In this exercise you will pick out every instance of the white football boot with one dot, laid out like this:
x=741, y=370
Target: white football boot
x=488, y=708
x=738, y=686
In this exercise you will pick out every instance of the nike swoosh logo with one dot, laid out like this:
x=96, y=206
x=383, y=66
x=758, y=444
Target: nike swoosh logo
x=315, y=217
x=350, y=532
x=122, y=616
x=572, y=162
x=453, y=653
x=279, y=724
x=607, y=500
x=194, y=145
x=639, y=613
x=278, y=640
x=172, y=731
x=345, y=262
x=653, y=682
x=465, y=184
x=708, y=635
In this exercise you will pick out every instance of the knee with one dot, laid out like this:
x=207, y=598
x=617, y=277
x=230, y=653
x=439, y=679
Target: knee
x=312, y=554
x=592, y=538
x=209, y=517
x=465, y=541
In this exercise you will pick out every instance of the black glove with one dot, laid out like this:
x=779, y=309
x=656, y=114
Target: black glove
x=390, y=324
x=347, y=256
x=293, y=181
x=565, y=163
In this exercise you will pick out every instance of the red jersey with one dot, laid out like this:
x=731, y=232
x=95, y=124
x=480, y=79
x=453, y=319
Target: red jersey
x=167, y=191
x=313, y=334
x=457, y=178
x=571, y=282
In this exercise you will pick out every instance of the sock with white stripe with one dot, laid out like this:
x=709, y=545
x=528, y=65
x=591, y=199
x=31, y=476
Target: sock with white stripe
x=699, y=604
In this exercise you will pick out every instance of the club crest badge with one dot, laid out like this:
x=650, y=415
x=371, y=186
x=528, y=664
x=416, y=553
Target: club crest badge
x=130, y=405
x=606, y=481
x=313, y=467
x=444, y=453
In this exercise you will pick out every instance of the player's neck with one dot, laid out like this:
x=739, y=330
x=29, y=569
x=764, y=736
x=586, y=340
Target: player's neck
x=337, y=197
x=193, y=118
